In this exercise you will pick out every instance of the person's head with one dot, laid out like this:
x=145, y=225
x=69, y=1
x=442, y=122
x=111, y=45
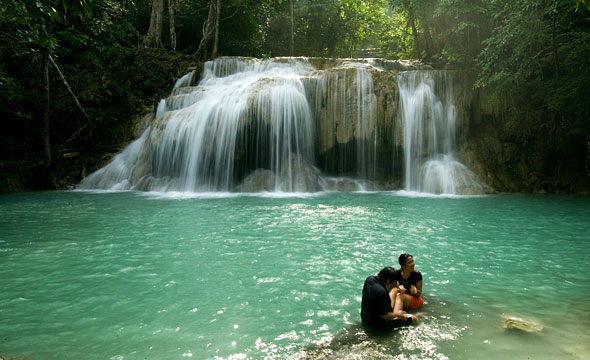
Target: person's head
x=387, y=276
x=406, y=261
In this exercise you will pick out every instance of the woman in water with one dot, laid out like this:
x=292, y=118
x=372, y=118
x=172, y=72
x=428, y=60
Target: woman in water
x=409, y=282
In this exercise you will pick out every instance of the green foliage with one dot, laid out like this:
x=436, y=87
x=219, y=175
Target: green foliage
x=35, y=21
x=538, y=52
x=326, y=27
x=396, y=41
x=240, y=29
x=533, y=51
x=462, y=25
x=419, y=16
x=509, y=60
x=95, y=45
x=365, y=24
x=319, y=28
x=571, y=83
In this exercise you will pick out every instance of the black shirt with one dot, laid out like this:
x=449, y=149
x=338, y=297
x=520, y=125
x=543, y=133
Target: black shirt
x=414, y=278
x=376, y=302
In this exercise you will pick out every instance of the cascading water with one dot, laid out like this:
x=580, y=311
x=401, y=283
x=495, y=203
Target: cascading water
x=193, y=141
x=429, y=136
x=283, y=125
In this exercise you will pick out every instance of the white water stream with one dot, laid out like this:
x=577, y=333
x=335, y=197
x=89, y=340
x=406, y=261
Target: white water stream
x=429, y=136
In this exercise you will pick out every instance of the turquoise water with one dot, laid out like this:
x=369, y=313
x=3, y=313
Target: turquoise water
x=145, y=276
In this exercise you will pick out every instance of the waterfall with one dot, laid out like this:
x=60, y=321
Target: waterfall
x=285, y=125
x=428, y=115
x=193, y=141
x=366, y=125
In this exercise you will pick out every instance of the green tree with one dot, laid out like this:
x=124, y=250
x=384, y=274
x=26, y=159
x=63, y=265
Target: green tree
x=210, y=32
x=363, y=25
x=419, y=16
x=462, y=25
x=536, y=60
x=37, y=26
x=153, y=38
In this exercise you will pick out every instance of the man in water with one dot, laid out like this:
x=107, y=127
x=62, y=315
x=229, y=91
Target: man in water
x=381, y=306
x=409, y=282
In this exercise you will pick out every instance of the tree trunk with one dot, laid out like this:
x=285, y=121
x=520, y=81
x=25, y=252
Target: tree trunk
x=216, y=39
x=554, y=42
x=210, y=29
x=172, y=26
x=88, y=121
x=47, y=166
x=412, y=24
x=292, y=47
x=65, y=82
x=153, y=39
x=429, y=45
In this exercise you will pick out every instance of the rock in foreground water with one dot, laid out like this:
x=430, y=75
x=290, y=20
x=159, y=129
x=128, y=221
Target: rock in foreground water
x=518, y=323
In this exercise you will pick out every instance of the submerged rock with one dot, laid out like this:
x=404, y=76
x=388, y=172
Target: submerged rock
x=346, y=184
x=518, y=323
x=258, y=180
x=297, y=175
x=2, y=357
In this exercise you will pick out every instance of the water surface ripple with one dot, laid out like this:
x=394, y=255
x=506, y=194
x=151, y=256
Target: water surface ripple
x=133, y=275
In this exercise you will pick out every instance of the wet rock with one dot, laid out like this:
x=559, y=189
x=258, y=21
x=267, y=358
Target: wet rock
x=11, y=183
x=3, y=357
x=298, y=175
x=518, y=323
x=343, y=184
x=258, y=180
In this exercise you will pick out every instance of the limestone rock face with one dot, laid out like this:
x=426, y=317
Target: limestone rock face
x=387, y=93
x=352, y=102
x=343, y=114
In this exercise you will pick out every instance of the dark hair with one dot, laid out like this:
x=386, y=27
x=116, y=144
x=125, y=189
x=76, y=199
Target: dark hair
x=387, y=274
x=402, y=259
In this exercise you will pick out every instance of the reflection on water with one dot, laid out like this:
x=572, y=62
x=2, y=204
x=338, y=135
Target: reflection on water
x=358, y=342
x=134, y=275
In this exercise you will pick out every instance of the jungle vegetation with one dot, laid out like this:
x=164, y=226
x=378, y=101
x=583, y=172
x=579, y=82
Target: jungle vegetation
x=73, y=72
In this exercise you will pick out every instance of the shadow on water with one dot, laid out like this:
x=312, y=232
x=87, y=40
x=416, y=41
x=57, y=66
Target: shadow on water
x=422, y=340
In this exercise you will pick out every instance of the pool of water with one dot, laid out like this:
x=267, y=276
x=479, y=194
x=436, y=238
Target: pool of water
x=129, y=275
